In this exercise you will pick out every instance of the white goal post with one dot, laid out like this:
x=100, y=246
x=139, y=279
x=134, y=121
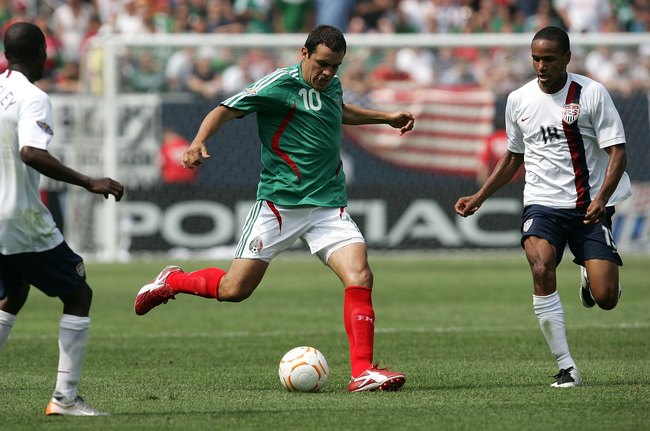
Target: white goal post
x=107, y=225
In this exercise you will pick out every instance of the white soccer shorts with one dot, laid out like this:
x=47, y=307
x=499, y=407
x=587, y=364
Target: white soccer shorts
x=270, y=229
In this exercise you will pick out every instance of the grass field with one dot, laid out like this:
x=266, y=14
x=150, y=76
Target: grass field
x=461, y=328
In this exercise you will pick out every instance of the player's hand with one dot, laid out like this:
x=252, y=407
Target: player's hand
x=106, y=187
x=466, y=206
x=194, y=155
x=404, y=121
x=596, y=212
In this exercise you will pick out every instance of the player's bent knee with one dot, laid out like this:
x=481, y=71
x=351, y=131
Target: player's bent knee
x=607, y=301
x=608, y=304
x=233, y=294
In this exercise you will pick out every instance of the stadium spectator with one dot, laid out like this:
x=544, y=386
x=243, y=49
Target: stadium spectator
x=255, y=14
x=145, y=72
x=66, y=79
x=419, y=62
x=293, y=16
x=583, y=16
x=618, y=72
x=301, y=194
x=133, y=18
x=544, y=16
x=220, y=18
x=6, y=12
x=182, y=18
x=458, y=67
x=356, y=83
x=448, y=16
x=32, y=249
x=53, y=48
x=640, y=20
x=527, y=7
x=171, y=153
x=387, y=71
x=336, y=13
x=250, y=65
x=599, y=63
x=414, y=14
x=70, y=22
x=373, y=11
x=17, y=12
x=565, y=130
x=197, y=7
x=357, y=25
x=204, y=79
x=494, y=17
x=198, y=24
x=108, y=10
x=178, y=69
x=237, y=76
x=162, y=18
x=505, y=70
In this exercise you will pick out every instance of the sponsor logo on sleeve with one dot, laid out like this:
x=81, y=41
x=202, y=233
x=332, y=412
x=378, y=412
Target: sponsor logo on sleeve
x=45, y=127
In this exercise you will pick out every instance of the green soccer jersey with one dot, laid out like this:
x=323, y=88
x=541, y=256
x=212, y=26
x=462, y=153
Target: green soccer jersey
x=300, y=129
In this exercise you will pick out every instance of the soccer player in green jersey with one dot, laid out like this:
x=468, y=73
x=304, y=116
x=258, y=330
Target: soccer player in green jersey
x=301, y=194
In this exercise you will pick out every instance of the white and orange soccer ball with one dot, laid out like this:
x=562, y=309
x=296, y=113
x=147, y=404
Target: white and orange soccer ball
x=303, y=369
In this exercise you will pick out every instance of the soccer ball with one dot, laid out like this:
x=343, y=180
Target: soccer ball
x=303, y=369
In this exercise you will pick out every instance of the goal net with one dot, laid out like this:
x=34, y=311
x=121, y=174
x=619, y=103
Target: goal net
x=145, y=97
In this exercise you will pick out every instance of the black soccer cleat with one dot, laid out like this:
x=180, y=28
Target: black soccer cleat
x=567, y=378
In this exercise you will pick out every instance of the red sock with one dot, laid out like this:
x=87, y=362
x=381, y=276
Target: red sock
x=359, y=320
x=204, y=282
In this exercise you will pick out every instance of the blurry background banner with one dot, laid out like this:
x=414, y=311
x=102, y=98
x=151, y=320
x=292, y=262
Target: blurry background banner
x=402, y=188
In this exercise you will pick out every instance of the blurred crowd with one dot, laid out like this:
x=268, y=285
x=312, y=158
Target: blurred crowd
x=70, y=25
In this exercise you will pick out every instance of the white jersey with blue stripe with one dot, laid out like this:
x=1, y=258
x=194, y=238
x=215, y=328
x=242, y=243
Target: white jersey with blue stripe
x=563, y=137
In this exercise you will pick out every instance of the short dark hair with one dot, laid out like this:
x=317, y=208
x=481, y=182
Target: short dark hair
x=554, y=34
x=22, y=41
x=327, y=35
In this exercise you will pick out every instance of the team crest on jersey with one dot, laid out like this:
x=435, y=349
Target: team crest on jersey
x=256, y=245
x=527, y=224
x=570, y=113
x=45, y=127
x=250, y=91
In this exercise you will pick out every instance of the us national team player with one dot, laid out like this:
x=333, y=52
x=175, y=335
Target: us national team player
x=301, y=194
x=566, y=131
x=32, y=249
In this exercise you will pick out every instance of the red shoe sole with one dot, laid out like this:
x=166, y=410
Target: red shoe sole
x=393, y=384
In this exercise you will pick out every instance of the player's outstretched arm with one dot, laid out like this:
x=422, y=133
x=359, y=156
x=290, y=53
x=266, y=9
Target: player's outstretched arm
x=505, y=169
x=198, y=151
x=50, y=166
x=355, y=115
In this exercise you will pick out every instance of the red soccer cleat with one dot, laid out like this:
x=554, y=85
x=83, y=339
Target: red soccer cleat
x=155, y=293
x=374, y=379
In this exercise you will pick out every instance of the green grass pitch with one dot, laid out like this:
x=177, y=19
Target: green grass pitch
x=461, y=327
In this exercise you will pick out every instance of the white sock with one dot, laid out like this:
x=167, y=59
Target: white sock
x=550, y=314
x=73, y=337
x=6, y=323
